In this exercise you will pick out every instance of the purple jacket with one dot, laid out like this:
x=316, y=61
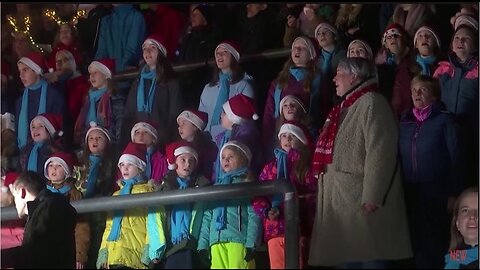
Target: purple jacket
x=307, y=192
x=159, y=166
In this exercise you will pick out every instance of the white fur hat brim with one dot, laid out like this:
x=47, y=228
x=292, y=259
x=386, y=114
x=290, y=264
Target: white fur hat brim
x=127, y=158
x=62, y=163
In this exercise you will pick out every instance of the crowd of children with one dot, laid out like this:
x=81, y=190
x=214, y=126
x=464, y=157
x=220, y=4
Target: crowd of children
x=95, y=137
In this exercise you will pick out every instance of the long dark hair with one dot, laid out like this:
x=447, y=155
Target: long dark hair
x=237, y=73
x=164, y=69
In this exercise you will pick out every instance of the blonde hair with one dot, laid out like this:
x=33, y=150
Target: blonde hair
x=456, y=238
x=347, y=14
x=243, y=160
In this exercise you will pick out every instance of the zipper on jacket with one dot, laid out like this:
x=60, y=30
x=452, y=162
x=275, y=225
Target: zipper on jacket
x=414, y=151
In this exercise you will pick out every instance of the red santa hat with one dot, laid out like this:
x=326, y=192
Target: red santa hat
x=52, y=122
x=392, y=29
x=155, y=40
x=364, y=44
x=327, y=26
x=134, y=154
x=95, y=126
x=294, y=98
x=240, y=108
x=241, y=146
x=466, y=19
x=429, y=29
x=66, y=160
x=10, y=178
x=197, y=118
x=35, y=61
x=298, y=130
x=106, y=66
x=175, y=149
x=232, y=47
x=148, y=125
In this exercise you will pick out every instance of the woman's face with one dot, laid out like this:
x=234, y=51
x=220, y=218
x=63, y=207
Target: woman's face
x=422, y=96
x=197, y=18
x=343, y=81
x=463, y=44
x=300, y=54
x=65, y=34
x=425, y=43
x=467, y=219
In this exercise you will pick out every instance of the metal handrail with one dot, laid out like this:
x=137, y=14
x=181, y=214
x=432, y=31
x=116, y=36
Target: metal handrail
x=270, y=54
x=211, y=193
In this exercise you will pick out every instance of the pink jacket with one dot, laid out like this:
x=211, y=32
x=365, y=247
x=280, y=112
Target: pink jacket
x=12, y=234
x=307, y=192
x=159, y=166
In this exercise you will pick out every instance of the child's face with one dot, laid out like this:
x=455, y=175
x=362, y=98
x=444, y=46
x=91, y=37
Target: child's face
x=27, y=75
x=55, y=172
x=289, y=141
x=38, y=131
x=225, y=121
x=150, y=54
x=97, y=78
x=467, y=219
x=462, y=43
x=300, y=54
x=394, y=44
x=291, y=110
x=186, y=164
x=357, y=50
x=325, y=38
x=97, y=142
x=65, y=34
x=223, y=58
x=422, y=96
x=230, y=160
x=425, y=43
x=142, y=136
x=186, y=129
x=128, y=170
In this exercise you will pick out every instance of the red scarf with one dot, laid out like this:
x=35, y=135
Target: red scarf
x=324, y=149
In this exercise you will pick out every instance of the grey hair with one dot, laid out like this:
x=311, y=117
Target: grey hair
x=360, y=67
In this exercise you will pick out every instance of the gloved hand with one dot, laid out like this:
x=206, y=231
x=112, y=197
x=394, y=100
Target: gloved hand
x=204, y=257
x=249, y=254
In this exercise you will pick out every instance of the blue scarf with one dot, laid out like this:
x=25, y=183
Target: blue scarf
x=62, y=190
x=219, y=211
x=180, y=217
x=93, y=173
x=282, y=172
x=456, y=258
x=327, y=59
x=117, y=219
x=33, y=157
x=146, y=75
x=299, y=74
x=226, y=137
x=425, y=63
x=23, y=122
x=223, y=95
x=148, y=157
x=93, y=96
x=390, y=59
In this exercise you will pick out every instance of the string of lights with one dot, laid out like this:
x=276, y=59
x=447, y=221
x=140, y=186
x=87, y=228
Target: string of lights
x=51, y=14
x=26, y=32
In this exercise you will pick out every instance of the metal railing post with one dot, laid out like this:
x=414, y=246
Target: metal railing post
x=211, y=193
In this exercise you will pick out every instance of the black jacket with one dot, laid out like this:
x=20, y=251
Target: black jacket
x=49, y=236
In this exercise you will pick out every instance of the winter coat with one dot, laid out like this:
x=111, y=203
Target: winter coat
x=132, y=245
x=430, y=152
x=121, y=37
x=105, y=181
x=198, y=45
x=209, y=96
x=51, y=223
x=401, y=93
x=167, y=105
x=43, y=154
x=170, y=183
x=207, y=153
x=363, y=170
x=242, y=224
x=12, y=233
x=307, y=191
x=159, y=166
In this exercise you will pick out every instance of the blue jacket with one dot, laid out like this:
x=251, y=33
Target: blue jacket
x=121, y=37
x=242, y=223
x=431, y=152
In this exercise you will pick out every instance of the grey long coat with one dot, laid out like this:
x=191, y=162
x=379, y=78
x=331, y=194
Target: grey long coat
x=364, y=159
